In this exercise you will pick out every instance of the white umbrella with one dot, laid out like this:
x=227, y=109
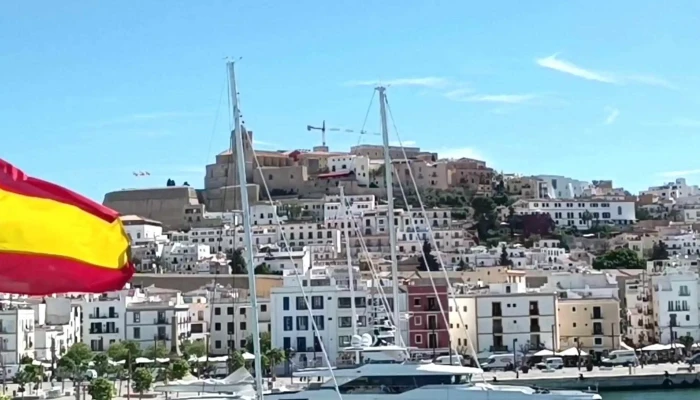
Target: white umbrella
x=247, y=356
x=572, y=352
x=163, y=360
x=544, y=353
x=656, y=347
x=676, y=346
x=143, y=360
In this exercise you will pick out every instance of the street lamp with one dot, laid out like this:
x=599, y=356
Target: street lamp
x=515, y=358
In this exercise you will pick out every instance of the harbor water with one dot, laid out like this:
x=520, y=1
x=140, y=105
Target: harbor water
x=680, y=394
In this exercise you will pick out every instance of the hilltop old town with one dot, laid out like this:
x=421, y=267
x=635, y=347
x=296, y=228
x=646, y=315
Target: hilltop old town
x=493, y=261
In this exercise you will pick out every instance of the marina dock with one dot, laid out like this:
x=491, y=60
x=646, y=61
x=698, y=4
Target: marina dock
x=661, y=376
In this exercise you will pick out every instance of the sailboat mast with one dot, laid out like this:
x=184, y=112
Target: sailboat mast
x=237, y=141
x=388, y=177
x=346, y=213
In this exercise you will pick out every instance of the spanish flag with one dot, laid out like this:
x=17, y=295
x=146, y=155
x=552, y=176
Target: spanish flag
x=53, y=240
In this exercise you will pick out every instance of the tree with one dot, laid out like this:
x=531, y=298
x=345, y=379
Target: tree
x=180, y=369
x=483, y=206
x=237, y=262
x=619, y=258
x=265, y=343
x=156, y=351
x=432, y=262
x=274, y=358
x=25, y=360
x=659, y=251
x=122, y=350
x=511, y=221
x=196, y=348
x=462, y=265
x=65, y=370
x=22, y=378
x=263, y=269
x=501, y=199
x=643, y=214
x=587, y=217
x=170, y=182
x=185, y=184
x=141, y=381
x=101, y=389
x=235, y=361
x=101, y=364
x=687, y=341
x=504, y=260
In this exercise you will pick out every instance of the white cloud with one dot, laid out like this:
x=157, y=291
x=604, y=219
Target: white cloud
x=462, y=152
x=552, y=62
x=500, y=98
x=613, y=113
x=426, y=82
x=567, y=67
x=459, y=93
x=678, y=174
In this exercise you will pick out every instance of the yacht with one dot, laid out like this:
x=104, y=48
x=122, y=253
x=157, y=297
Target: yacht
x=386, y=371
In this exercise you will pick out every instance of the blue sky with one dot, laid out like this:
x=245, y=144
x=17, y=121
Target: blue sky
x=589, y=89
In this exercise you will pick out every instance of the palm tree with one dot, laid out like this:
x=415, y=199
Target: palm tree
x=587, y=217
x=275, y=357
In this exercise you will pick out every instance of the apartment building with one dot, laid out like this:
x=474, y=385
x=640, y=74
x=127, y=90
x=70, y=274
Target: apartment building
x=331, y=302
x=640, y=310
x=675, y=297
x=592, y=321
x=410, y=241
x=17, y=332
x=561, y=187
x=581, y=213
x=158, y=321
x=232, y=322
x=58, y=325
x=280, y=260
x=429, y=309
x=509, y=317
x=182, y=257
x=305, y=234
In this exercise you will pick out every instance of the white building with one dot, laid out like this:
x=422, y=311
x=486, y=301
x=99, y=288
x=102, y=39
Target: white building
x=681, y=243
x=508, y=314
x=280, y=260
x=103, y=318
x=184, y=257
x=673, y=190
x=411, y=241
x=159, y=318
x=330, y=303
x=147, y=239
x=572, y=212
x=264, y=214
x=561, y=187
x=348, y=163
x=58, y=325
x=676, y=304
x=232, y=322
x=17, y=331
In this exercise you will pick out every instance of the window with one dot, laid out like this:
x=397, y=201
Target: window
x=243, y=325
x=301, y=344
x=418, y=339
x=317, y=302
x=344, y=341
x=344, y=322
x=288, y=326
x=217, y=326
x=303, y=323
x=137, y=317
x=416, y=302
x=344, y=302
x=598, y=341
x=263, y=307
x=217, y=344
x=287, y=343
x=418, y=320
x=285, y=303
x=320, y=321
x=217, y=310
x=242, y=311
x=229, y=310
x=137, y=333
x=301, y=304
x=229, y=327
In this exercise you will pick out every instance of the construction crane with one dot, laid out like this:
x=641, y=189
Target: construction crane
x=323, y=130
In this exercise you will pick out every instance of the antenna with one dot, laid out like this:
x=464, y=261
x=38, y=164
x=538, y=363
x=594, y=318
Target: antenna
x=323, y=130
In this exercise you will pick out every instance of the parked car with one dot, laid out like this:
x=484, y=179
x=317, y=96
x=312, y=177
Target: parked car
x=551, y=363
x=497, y=362
x=620, y=358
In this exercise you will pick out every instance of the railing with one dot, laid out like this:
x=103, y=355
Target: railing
x=535, y=311
x=534, y=328
x=597, y=316
x=160, y=321
x=498, y=329
x=598, y=332
x=683, y=293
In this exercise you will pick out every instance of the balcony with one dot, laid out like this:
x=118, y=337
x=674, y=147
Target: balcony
x=104, y=316
x=534, y=311
x=161, y=337
x=598, y=332
x=597, y=316
x=160, y=321
x=104, y=331
x=683, y=293
x=497, y=329
x=535, y=328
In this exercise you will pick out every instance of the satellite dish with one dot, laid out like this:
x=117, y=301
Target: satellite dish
x=356, y=341
x=367, y=340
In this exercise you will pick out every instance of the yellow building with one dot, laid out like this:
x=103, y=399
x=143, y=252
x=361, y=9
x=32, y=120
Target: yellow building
x=595, y=322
